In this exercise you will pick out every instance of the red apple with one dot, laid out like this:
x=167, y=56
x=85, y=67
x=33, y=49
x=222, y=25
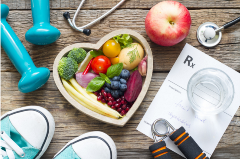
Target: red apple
x=168, y=23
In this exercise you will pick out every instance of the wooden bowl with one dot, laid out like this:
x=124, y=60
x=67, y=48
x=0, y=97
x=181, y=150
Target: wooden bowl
x=146, y=80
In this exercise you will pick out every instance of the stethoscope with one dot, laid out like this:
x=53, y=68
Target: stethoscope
x=209, y=34
x=83, y=28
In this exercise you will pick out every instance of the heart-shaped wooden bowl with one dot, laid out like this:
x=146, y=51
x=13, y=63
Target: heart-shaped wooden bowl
x=146, y=80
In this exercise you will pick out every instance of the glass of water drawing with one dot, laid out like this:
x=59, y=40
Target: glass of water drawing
x=210, y=91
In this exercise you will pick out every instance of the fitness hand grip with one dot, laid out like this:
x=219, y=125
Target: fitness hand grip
x=187, y=145
x=42, y=33
x=32, y=77
x=159, y=150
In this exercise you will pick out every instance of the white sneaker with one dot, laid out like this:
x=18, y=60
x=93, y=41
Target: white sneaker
x=92, y=145
x=26, y=132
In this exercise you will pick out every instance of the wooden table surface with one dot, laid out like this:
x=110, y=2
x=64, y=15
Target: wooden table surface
x=71, y=123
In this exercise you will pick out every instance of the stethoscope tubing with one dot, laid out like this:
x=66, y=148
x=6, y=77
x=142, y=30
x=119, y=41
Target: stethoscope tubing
x=229, y=24
x=81, y=29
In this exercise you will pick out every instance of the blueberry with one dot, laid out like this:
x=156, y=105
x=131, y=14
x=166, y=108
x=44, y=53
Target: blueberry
x=115, y=93
x=123, y=81
x=125, y=74
x=108, y=85
x=115, y=84
x=123, y=87
x=121, y=93
x=116, y=78
x=107, y=90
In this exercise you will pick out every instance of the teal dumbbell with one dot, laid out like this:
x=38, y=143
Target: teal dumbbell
x=32, y=77
x=42, y=33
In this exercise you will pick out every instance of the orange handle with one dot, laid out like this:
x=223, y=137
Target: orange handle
x=187, y=145
x=160, y=151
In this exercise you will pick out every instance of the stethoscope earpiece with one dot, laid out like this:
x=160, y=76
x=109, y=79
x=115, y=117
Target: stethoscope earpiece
x=66, y=15
x=87, y=32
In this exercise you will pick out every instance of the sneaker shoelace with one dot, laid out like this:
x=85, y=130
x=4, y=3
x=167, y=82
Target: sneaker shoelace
x=9, y=146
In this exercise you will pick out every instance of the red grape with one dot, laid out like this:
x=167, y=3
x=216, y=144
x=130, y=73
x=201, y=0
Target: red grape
x=104, y=94
x=124, y=106
x=103, y=101
x=99, y=98
x=119, y=110
x=127, y=109
x=128, y=105
x=118, y=100
x=123, y=102
x=110, y=103
x=110, y=99
x=123, y=112
x=109, y=95
x=117, y=105
x=102, y=90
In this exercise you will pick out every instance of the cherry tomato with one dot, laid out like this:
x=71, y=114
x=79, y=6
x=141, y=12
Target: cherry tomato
x=114, y=60
x=111, y=48
x=100, y=64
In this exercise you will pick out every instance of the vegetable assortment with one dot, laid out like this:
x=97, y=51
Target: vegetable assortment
x=106, y=81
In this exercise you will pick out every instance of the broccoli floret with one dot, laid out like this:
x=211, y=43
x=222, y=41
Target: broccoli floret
x=78, y=54
x=67, y=67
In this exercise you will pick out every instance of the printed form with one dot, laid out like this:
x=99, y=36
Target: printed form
x=171, y=102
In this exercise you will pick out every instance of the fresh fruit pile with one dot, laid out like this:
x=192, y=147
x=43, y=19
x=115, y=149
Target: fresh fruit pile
x=118, y=84
x=119, y=104
x=107, y=81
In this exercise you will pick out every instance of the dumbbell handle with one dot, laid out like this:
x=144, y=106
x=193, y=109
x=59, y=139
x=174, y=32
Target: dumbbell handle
x=187, y=145
x=13, y=46
x=40, y=11
x=42, y=32
x=160, y=151
x=32, y=77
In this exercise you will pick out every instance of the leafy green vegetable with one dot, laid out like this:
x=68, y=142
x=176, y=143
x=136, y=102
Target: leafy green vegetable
x=134, y=53
x=136, y=68
x=96, y=53
x=67, y=67
x=95, y=84
x=114, y=70
x=123, y=39
x=78, y=54
x=105, y=78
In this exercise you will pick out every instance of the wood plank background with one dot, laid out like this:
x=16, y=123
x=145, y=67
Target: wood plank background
x=71, y=123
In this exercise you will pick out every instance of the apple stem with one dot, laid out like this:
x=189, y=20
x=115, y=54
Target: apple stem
x=171, y=22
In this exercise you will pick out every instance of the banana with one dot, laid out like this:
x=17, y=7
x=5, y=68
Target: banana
x=95, y=106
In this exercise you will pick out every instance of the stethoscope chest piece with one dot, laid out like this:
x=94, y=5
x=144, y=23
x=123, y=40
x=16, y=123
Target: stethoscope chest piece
x=205, y=31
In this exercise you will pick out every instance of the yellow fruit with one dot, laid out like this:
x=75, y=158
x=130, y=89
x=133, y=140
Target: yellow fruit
x=111, y=48
x=82, y=66
x=114, y=60
x=131, y=56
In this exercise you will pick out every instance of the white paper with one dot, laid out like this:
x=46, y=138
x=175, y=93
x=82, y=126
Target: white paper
x=171, y=103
